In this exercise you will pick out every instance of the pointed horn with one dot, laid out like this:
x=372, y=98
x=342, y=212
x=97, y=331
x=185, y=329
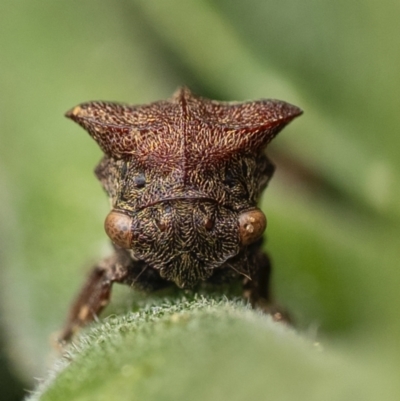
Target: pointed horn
x=253, y=125
x=109, y=124
x=231, y=128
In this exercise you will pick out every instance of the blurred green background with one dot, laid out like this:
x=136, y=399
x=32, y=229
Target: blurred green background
x=333, y=206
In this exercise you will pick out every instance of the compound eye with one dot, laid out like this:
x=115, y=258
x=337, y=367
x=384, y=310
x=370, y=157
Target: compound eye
x=252, y=224
x=118, y=227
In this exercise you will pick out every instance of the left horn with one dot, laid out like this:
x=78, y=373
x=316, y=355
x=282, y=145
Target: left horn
x=109, y=125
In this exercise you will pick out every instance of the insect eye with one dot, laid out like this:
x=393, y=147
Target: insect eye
x=124, y=170
x=244, y=169
x=118, y=227
x=140, y=181
x=252, y=224
x=229, y=181
x=209, y=224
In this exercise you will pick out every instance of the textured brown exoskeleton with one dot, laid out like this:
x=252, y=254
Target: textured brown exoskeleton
x=183, y=176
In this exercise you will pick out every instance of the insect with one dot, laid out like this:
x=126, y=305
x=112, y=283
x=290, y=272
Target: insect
x=183, y=176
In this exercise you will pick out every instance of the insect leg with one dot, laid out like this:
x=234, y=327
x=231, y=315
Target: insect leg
x=258, y=289
x=94, y=296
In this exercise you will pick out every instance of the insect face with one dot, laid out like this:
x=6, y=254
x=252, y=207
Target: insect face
x=183, y=176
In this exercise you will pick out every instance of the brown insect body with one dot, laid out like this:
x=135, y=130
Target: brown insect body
x=184, y=176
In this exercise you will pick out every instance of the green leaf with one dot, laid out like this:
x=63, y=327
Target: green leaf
x=200, y=349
